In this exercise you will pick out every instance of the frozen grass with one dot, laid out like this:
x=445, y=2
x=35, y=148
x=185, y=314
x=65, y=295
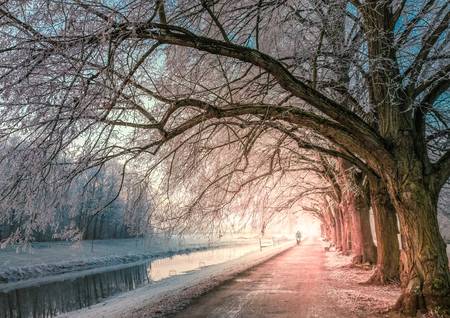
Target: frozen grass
x=359, y=299
x=345, y=286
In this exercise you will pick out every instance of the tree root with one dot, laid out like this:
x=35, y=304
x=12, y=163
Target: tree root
x=379, y=278
x=357, y=259
x=413, y=301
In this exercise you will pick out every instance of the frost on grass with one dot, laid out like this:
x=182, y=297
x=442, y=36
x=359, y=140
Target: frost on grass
x=55, y=258
x=346, y=288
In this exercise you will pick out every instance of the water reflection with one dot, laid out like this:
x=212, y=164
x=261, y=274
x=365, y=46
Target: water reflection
x=49, y=299
x=180, y=264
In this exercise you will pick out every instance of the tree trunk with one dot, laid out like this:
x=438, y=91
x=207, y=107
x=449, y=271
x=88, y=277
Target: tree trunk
x=357, y=199
x=345, y=229
x=356, y=244
x=339, y=235
x=411, y=185
x=344, y=244
x=386, y=229
x=331, y=224
x=425, y=276
x=361, y=222
x=355, y=203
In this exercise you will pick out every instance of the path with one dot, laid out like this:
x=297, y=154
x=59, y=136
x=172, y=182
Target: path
x=293, y=284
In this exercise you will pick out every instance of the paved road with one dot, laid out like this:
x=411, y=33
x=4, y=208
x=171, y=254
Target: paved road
x=292, y=284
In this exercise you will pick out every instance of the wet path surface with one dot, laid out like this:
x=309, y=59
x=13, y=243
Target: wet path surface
x=293, y=284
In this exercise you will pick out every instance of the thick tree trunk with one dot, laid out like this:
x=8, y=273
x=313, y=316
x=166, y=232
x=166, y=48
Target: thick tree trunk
x=425, y=276
x=363, y=248
x=339, y=230
x=411, y=185
x=324, y=226
x=345, y=230
x=362, y=216
x=362, y=241
x=331, y=224
x=355, y=203
x=386, y=229
x=356, y=235
x=327, y=231
x=348, y=232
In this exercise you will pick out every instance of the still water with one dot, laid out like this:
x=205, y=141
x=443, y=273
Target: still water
x=51, y=298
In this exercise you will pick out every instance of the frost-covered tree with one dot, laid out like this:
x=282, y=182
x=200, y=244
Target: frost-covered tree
x=88, y=206
x=126, y=79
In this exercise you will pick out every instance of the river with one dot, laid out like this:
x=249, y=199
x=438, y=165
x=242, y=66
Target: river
x=65, y=293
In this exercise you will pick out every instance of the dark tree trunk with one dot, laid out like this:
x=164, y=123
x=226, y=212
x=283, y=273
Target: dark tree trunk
x=331, y=224
x=339, y=235
x=412, y=184
x=362, y=245
x=361, y=221
x=386, y=229
x=355, y=229
x=425, y=272
x=355, y=194
x=345, y=229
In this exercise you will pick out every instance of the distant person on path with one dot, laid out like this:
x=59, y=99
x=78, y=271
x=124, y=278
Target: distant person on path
x=298, y=236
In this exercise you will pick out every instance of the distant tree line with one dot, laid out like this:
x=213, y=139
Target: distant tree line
x=95, y=204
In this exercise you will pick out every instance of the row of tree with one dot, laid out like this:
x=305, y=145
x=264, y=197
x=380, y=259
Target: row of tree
x=273, y=177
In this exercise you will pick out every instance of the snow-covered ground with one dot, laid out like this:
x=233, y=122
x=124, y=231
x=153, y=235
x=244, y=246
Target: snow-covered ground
x=174, y=288
x=346, y=286
x=54, y=258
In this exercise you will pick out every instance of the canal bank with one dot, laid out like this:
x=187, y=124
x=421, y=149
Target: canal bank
x=53, y=295
x=155, y=298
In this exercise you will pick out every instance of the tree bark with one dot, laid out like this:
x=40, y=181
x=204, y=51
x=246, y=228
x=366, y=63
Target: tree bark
x=361, y=221
x=386, y=229
x=329, y=222
x=412, y=185
x=355, y=201
x=339, y=230
x=425, y=275
x=331, y=225
x=346, y=229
